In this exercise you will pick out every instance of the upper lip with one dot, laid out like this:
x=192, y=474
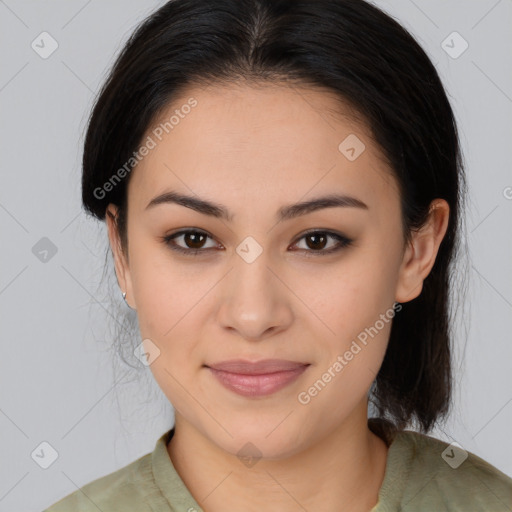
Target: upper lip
x=262, y=367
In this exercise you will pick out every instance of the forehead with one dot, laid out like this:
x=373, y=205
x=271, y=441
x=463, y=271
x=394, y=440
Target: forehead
x=259, y=140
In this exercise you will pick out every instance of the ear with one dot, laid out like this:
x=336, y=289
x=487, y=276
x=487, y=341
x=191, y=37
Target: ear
x=420, y=254
x=120, y=258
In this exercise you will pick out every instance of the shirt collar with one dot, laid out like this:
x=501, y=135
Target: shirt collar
x=390, y=494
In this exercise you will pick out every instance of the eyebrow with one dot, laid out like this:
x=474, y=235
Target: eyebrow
x=284, y=213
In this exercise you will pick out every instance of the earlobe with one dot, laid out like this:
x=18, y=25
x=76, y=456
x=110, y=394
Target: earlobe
x=420, y=254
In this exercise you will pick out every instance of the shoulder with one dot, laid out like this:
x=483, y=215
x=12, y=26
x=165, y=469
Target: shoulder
x=128, y=488
x=444, y=477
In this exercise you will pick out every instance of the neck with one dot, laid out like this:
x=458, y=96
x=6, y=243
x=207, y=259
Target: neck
x=346, y=467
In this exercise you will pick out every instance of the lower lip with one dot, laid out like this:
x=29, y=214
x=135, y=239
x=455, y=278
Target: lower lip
x=257, y=385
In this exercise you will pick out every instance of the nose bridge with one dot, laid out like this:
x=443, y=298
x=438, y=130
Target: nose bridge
x=253, y=303
x=251, y=267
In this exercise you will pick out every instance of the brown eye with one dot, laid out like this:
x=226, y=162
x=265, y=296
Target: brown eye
x=192, y=241
x=316, y=241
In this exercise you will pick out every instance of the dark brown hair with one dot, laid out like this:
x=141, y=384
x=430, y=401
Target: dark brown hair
x=372, y=63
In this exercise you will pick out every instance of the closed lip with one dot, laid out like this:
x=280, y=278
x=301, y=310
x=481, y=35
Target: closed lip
x=262, y=367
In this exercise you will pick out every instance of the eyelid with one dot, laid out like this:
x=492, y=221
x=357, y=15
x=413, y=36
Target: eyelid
x=342, y=241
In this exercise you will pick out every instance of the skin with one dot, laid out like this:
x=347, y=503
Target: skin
x=255, y=149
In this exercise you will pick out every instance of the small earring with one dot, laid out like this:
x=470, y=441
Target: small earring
x=125, y=301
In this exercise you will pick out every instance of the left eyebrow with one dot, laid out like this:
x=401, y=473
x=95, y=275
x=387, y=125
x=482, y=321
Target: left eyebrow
x=284, y=213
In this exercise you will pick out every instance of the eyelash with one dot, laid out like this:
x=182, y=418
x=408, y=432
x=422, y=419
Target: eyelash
x=343, y=242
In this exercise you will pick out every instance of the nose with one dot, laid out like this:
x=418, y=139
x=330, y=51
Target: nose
x=255, y=304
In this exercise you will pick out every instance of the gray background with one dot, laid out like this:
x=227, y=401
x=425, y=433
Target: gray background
x=60, y=381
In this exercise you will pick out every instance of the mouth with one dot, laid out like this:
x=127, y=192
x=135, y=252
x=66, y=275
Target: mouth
x=256, y=379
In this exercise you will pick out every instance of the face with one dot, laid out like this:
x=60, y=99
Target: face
x=315, y=287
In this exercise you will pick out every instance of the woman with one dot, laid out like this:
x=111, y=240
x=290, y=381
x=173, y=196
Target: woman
x=282, y=187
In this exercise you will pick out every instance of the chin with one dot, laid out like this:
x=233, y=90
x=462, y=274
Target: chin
x=261, y=441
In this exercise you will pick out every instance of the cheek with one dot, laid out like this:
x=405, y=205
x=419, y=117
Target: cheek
x=164, y=293
x=156, y=304
x=170, y=300
x=165, y=308
x=350, y=295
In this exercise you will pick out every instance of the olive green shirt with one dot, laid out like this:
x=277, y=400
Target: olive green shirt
x=422, y=474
